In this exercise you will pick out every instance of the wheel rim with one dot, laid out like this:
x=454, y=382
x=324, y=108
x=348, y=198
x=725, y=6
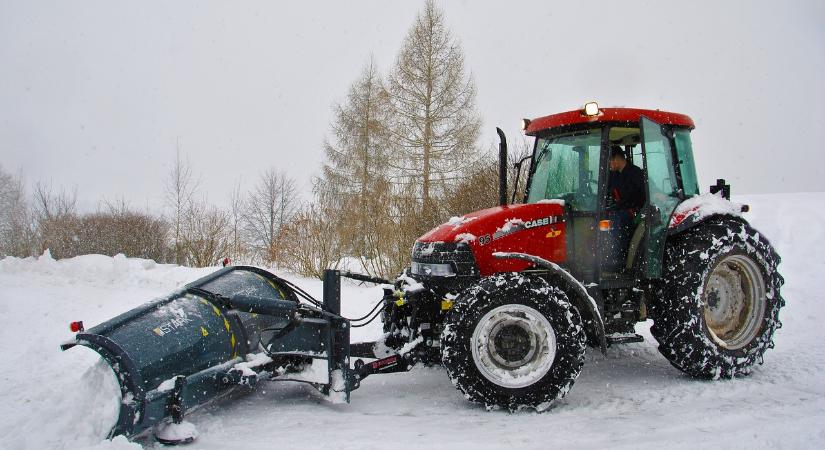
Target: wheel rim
x=513, y=346
x=734, y=301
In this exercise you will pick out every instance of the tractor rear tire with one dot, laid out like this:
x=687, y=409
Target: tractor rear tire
x=513, y=342
x=719, y=301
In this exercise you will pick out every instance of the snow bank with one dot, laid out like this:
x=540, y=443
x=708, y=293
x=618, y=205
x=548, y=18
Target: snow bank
x=101, y=270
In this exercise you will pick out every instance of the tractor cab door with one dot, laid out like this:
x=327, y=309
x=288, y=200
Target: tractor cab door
x=567, y=167
x=663, y=194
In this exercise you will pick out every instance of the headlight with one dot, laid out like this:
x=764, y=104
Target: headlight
x=433, y=270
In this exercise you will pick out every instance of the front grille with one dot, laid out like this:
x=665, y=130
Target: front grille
x=458, y=255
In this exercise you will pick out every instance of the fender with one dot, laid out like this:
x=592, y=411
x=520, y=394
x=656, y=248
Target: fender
x=578, y=288
x=700, y=208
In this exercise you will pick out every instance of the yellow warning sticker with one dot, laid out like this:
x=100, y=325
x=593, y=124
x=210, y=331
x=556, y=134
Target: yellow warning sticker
x=446, y=304
x=553, y=233
x=204, y=332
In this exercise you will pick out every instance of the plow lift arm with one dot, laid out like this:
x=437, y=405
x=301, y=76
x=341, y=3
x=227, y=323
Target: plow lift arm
x=231, y=328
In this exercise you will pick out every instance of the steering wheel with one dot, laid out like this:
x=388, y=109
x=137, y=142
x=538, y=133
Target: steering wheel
x=610, y=202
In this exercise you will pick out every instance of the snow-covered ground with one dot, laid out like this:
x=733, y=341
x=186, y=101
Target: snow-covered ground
x=631, y=398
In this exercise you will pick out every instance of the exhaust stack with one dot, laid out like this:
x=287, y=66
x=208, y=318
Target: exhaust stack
x=502, y=168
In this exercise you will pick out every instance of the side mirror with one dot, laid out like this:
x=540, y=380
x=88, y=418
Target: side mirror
x=720, y=186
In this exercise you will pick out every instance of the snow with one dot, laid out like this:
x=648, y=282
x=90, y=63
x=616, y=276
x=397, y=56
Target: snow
x=410, y=285
x=551, y=201
x=172, y=432
x=317, y=372
x=465, y=237
x=252, y=361
x=509, y=224
x=705, y=205
x=456, y=222
x=630, y=398
x=410, y=345
x=167, y=385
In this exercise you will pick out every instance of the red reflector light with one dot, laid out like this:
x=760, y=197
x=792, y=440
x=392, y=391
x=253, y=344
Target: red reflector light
x=76, y=326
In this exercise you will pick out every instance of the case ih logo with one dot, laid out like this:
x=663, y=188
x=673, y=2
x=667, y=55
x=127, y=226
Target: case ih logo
x=540, y=222
x=516, y=225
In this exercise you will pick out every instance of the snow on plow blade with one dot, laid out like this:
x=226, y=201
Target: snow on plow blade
x=181, y=351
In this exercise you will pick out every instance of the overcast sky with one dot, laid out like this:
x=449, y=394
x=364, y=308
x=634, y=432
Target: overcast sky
x=96, y=95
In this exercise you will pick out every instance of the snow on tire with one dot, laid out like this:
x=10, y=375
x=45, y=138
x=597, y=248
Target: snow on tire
x=513, y=341
x=718, y=305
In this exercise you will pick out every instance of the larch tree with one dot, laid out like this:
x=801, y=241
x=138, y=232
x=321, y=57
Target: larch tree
x=355, y=172
x=436, y=125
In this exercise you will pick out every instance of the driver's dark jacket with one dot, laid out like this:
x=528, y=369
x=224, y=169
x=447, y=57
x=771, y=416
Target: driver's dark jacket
x=627, y=188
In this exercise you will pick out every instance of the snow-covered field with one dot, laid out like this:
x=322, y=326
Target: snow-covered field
x=631, y=398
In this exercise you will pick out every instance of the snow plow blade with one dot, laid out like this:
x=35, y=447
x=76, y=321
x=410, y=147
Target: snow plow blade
x=224, y=330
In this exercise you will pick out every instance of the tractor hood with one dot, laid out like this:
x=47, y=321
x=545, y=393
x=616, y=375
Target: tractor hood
x=536, y=228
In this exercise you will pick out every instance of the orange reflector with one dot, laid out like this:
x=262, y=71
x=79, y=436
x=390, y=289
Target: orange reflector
x=605, y=225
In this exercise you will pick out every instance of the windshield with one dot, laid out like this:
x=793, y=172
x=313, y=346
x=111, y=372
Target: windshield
x=567, y=168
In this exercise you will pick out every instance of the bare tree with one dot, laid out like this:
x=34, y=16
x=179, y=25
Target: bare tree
x=55, y=219
x=16, y=232
x=314, y=251
x=393, y=229
x=180, y=187
x=115, y=206
x=49, y=204
x=436, y=125
x=270, y=206
x=206, y=235
x=236, y=209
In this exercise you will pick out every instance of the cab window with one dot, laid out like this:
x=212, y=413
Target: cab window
x=687, y=169
x=567, y=168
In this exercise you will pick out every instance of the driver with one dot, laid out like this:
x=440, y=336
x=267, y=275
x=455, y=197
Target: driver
x=626, y=190
x=627, y=183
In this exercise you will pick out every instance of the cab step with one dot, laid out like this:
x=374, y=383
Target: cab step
x=623, y=338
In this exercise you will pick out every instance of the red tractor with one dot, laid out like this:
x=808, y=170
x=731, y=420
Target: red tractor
x=508, y=298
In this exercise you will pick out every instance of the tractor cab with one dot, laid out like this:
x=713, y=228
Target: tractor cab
x=571, y=162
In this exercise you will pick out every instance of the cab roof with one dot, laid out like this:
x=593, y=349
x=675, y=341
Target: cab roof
x=632, y=115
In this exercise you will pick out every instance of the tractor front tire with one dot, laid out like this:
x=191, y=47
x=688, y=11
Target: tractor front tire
x=719, y=301
x=513, y=342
